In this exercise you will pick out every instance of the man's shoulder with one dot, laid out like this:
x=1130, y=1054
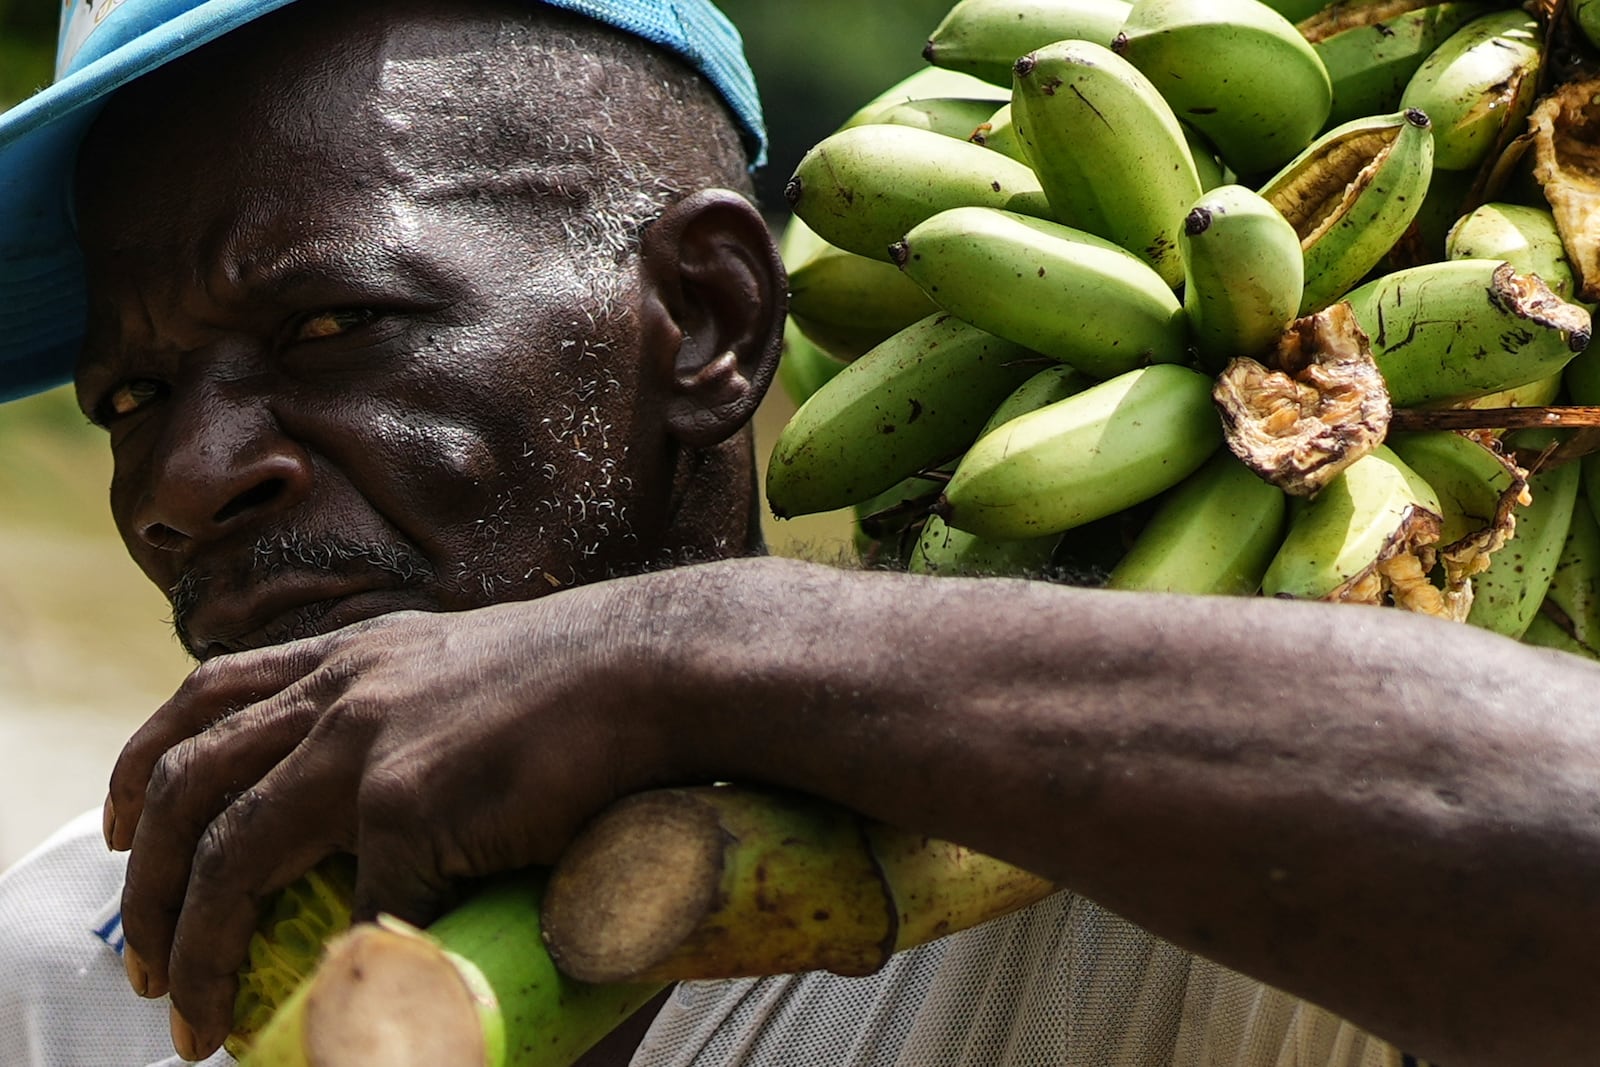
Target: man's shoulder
x=61, y=893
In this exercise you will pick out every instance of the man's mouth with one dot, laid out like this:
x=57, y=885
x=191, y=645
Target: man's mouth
x=241, y=623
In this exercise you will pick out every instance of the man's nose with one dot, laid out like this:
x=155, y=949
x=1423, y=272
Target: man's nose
x=222, y=464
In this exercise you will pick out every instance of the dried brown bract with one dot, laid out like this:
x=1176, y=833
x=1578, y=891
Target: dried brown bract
x=1566, y=145
x=1319, y=408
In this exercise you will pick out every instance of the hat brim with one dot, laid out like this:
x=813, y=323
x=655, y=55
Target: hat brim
x=42, y=303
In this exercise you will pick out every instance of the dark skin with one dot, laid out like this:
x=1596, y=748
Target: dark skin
x=1396, y=818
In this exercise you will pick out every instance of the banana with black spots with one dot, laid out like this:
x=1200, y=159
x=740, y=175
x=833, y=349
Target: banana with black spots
x=1068, y=294
x=1371, y=50
x=1523, y=236
x=913, y=402
x=1214, y=534
x=1243, y=274
x=1350, y=196
x=1482, y=80
x=1235, y=69
x=862, y=188
x=1109, y=152
x=1464, y=328
x=1091, y=455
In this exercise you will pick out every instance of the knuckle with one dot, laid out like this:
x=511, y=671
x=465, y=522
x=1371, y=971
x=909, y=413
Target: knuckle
x=169, y=776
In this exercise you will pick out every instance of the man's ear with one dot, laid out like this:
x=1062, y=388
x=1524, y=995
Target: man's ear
x=715, y=299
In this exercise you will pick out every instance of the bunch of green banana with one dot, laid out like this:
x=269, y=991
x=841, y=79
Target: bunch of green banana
x=1237, y=70
x=1569, y=618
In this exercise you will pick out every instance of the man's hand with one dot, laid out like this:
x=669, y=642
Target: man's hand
x=435, y=747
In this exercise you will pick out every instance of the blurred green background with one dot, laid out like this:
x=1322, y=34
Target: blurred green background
x=85, y=651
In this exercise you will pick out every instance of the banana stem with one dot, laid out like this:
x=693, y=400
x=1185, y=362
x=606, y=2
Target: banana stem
x=476, y=989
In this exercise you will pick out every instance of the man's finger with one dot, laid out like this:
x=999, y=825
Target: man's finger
x=190, y=785
x=210, y=694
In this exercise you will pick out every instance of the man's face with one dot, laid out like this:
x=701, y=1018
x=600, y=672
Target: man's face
x=337, y=380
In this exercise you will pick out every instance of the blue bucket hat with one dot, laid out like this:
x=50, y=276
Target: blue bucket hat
x=104, y=44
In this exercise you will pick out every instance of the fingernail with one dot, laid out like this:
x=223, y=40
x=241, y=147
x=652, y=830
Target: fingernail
x=183, y=1039
x=138, y=976
x=108, y=823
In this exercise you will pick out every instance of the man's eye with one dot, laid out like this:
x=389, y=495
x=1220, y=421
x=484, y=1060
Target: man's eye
x=129, y=397
x=332, y=323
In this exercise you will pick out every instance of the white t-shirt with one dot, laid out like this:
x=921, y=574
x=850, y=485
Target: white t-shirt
x=1061, y=984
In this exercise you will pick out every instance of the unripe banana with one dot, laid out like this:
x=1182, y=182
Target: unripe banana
x=1508, y=594
x=985, y=37
x=1586, y=13
x=914, y=401
x=1359, y=539
x=804, y=368
x=848, y=303
x=1350, y=196
x=1213, y=175
x=1236, y=69
x=925, y=84
x=1080, y=459
x=1295, y=10
x=1572, y=602
x=1371, y=50
x=1071, y=295
x=1243, y=274
x=941, y=549
x=1535, y=394
x=1526, y=237
x=1215, y=533
x=1463, y=328
x=888, y=524
x=1089, y=120
x=862, y=188
x=1480, y=81
x=950, y=116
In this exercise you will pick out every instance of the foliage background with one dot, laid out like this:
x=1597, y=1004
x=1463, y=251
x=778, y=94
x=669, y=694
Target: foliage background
x=85, y=653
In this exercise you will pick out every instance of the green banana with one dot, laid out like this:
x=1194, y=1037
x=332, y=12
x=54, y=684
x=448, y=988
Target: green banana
x=1068, y=294
x=1350, y=197
x=1586, y=13
x=1371, y=50
x=1089, y=120
x=1534, y=394
x=914, y=401
x=1215, y=533
x=1463, y=328
x=1526, y=237
x=999, y=134
x=887, y=525
x=1508, y=594
x=1237, y=70
x=1243, y=274
x=925, y=84
x=1295, y=10
x=804, y=368
x=1362, y=539
x=1086, y=457
x=1449, y=194
x=848, y=303
x=951, y=116
x=1572, y=603
x=985, y=37
x=862, y=188
x=1480, y=81
x=942, y=549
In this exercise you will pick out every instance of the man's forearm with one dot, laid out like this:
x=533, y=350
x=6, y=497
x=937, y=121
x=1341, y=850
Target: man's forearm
x=1396, y=818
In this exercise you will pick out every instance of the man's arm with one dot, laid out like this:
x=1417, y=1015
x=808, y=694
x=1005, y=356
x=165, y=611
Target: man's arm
x=1394, y=817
